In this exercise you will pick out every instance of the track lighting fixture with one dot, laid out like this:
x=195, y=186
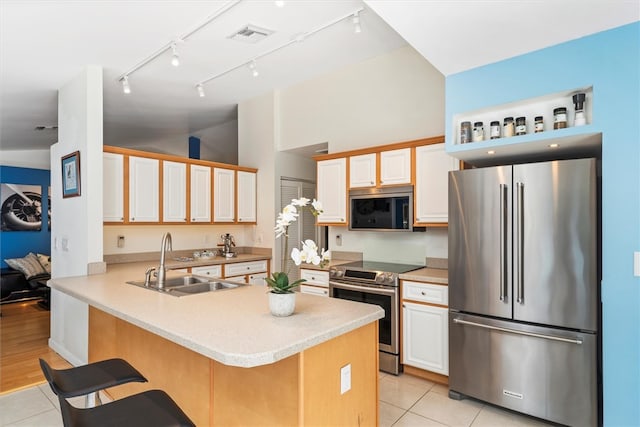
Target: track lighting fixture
x=355, y=17
x=356, y=23
x=254, y=70
x=200, y=90
x=125, y=85
x=175, y=60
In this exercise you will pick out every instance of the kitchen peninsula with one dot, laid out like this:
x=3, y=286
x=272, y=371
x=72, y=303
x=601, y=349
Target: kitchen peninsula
x=226, y=360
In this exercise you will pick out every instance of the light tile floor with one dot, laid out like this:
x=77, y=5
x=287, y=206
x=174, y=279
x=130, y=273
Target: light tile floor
x=405, y=401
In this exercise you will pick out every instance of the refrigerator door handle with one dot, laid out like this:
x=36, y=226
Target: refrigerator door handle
x=519, y=232
x=503, y=242
x=513, y=331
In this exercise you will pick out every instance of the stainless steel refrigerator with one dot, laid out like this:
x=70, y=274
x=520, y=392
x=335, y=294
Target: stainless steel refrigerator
x=524, y=288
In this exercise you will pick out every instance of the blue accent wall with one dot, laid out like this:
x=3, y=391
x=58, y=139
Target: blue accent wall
x=16, y=244
x=194, y=147
x=610, y=62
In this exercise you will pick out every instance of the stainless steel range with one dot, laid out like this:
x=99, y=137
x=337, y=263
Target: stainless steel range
x=375, y=283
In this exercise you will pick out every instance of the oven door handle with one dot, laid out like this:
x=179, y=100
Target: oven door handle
x=362, y=288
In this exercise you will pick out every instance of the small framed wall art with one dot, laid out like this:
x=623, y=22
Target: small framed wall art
x=71, y=175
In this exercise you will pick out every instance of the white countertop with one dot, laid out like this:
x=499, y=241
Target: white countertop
x=233, y=327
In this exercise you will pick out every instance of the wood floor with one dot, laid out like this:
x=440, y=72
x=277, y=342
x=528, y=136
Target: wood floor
x=24, y=332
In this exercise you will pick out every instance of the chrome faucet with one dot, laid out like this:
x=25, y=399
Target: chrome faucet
x=162, y=270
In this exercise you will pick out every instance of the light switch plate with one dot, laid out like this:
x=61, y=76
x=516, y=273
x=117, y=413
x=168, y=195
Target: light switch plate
x=636, y=264
x=345, y=379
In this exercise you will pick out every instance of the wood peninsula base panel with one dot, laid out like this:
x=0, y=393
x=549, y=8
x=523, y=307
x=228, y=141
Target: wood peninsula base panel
x=301, y=390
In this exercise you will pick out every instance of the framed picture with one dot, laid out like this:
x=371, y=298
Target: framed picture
x=71, y=175
x=21, y=207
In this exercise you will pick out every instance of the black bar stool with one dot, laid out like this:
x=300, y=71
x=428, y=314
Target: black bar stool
x=91, y=378
x=153, y=408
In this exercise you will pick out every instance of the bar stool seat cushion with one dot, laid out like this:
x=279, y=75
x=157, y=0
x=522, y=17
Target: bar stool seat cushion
x=153, y=408
x=90, y=378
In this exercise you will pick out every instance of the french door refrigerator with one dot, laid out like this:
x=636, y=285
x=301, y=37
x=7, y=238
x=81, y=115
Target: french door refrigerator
x=523, y=288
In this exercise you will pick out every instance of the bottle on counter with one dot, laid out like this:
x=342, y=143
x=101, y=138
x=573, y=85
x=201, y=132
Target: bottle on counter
x=478, y=132
x=560, y=118
x=521, y=126
x=539, y=124
x=508, y=129
x=465, y=132
x=494, y=130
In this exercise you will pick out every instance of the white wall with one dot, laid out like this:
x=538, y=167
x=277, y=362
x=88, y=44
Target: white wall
x=76, y=226
x=217, y=143
x=256, y=148
x=78, y=220
x=394, y=97
x=35, y=159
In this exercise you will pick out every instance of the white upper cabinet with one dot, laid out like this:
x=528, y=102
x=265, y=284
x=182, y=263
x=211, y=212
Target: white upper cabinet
x=174, y=191
x=332, y=190
x=432, y=176
x=224, y=195
x=246, y=196
x=395, y=167
x=200, y=200
x=113, y=187
x=144, y=191
x=362, y=171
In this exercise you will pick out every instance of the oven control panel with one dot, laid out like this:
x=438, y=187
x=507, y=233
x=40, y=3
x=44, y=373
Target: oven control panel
x=363, y=277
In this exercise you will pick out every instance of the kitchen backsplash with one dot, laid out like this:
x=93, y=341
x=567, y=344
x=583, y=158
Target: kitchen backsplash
x=398, y=247
x=147, y=238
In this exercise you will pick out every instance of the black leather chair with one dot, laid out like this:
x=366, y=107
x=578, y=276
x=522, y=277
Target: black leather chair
x=153, y=408
x=91, y=378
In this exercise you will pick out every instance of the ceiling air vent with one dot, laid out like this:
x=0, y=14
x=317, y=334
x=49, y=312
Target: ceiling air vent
x=46, y=127
x=251, y=34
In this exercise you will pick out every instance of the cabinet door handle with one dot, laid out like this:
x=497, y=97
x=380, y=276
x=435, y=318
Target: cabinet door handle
x=423, y=294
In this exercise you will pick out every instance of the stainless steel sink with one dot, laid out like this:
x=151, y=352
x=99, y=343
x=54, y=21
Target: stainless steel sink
x=187, y=285
x=199, y=288
x=172, y=282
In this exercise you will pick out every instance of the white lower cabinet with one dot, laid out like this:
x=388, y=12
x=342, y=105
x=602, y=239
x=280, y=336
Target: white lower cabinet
x=314, y=290
x=317, y=282
x=251, y=272
x=213, y=271
x=425, y=335
x=258, y=279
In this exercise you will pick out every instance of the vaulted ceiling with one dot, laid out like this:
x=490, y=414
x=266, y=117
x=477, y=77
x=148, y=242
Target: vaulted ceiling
x=44, y=45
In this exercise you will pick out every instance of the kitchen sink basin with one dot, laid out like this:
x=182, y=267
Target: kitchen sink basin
x=187, y=285
x=199, y=288
x=172, y=282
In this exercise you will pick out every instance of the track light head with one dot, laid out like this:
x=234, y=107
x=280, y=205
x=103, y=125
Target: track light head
x=356, y=23
x=254, y=70
x=175, y=60
x=125, y=85
x=200, y=90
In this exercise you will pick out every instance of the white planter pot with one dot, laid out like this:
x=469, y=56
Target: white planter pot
x=282, y=305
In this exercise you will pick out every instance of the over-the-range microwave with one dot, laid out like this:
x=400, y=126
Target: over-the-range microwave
x=382, y=209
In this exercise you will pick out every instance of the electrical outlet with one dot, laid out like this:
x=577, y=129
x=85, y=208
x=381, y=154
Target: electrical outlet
x=345, y=378
x=65, y=244
x=121, y=241
x=339, y=239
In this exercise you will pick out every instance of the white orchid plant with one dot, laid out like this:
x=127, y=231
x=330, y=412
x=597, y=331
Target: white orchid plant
x=279, y=281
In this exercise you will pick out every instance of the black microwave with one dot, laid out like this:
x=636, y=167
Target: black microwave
x=389, y=209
